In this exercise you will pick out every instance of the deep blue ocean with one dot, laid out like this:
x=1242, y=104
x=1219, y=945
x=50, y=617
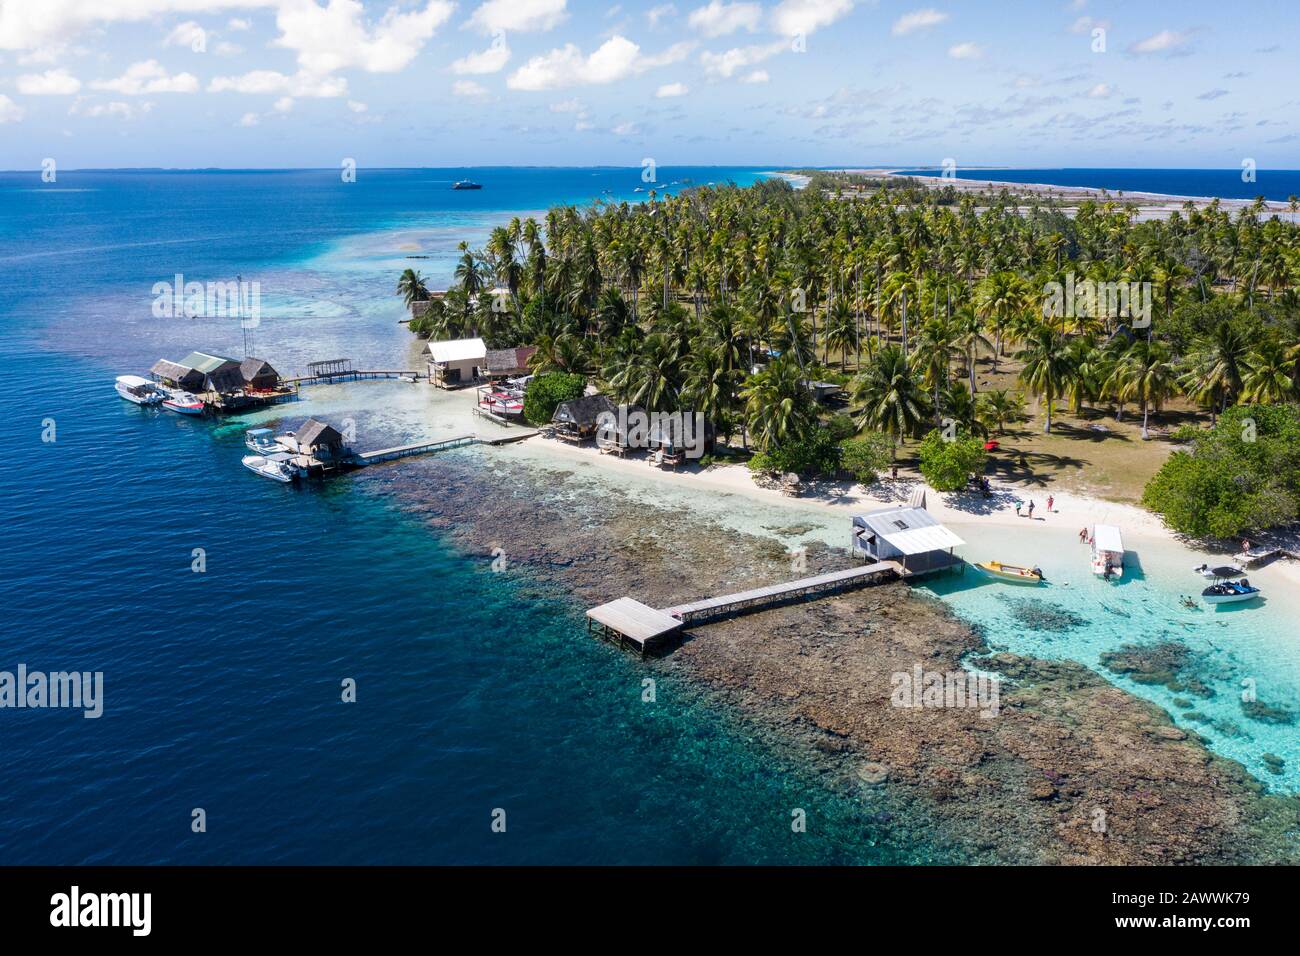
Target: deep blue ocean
x=1274, y=184
x=223, y=688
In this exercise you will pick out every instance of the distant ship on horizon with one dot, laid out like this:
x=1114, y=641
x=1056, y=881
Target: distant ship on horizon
x=466, y=184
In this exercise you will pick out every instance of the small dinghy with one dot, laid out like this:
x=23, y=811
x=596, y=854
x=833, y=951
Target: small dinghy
x=275, y=467
x=1011, y=573
x=1230, y=592
x=1223, y=571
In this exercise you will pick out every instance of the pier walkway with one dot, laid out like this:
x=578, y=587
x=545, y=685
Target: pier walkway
x=361, y=459
x=644, y=627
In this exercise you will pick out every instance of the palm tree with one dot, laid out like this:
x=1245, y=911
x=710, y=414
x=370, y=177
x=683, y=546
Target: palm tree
x=411, y=287
x=890, y=395
x=1269, y=374
x=778, y=408
x=999, y=407
x=1145, y=373
x=1046, y=367
x=969, y=337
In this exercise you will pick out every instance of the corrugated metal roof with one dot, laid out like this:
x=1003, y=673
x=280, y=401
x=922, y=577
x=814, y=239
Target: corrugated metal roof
x=457, y=350
x=205, y=362
x=910, y=530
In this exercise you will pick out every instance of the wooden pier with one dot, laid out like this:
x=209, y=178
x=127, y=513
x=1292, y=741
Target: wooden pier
x=645, y=628
x=361, y=459
x=1258, y=556
x=352, y=375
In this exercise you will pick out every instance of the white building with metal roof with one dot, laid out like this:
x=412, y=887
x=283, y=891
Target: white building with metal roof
x=911, y=536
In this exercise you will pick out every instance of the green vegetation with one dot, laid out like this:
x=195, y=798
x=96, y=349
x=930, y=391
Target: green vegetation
x=545, y=392
x=1242, y=474
x=947, y=463
x=866, y=457
x=928, y=306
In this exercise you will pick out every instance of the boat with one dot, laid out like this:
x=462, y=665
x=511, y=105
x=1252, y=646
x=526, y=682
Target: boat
x=1010, y=572
x=502, y=403
x=262, y=441
x=466, y=184
x=1230, y=592
x=139, y=390
x=409, y=379
x=1107, y=551
x=183, y=403
x=1223, y=571
x=276, y=467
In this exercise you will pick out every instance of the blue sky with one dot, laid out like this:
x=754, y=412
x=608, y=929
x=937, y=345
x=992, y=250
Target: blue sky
x=291, y=83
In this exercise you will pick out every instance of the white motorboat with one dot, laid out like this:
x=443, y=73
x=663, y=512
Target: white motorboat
x=1107, y=551
x=139, y=390
x=1222, y=571
x=275, y=467
x=183, y=403
x=262, y=442
x=1230, y=592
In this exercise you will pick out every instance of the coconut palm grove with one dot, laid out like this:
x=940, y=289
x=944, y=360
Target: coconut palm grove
x=938, y=314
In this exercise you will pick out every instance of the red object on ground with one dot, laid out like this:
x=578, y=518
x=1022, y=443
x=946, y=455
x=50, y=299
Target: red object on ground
x=990, y=446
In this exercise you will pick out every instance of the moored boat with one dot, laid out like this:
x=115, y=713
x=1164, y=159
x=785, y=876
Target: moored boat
x=1230, y=592
x=1012, y=574
x=262, y=441
x=183, y=403
x=1107, y=551
x=275, y=467
x=1223, y=571
x=466, y=184
x=139, y=390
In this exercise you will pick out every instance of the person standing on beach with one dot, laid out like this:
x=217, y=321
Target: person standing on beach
x=1017, y=509
x=1031, y=508
x=1050, y=499
x=1245, y=546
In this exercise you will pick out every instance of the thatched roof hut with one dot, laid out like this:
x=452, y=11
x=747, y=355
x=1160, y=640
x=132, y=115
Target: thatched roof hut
x=315, y=436
x=174, y=373
x=257, y=373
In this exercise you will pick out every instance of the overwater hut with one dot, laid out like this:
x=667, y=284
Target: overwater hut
x=319, y=439
x=456, y=362
x=220, y=374
x=576, y=420
x=508, y=363
x=258, y=375
x=177, y=375
x=681, y=435
x=911, y=536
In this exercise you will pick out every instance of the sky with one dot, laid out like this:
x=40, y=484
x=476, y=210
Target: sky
x=308, y=83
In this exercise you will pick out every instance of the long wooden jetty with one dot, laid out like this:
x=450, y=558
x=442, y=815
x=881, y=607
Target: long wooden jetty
x=360, y=459
x=630, y=622
x=1258, y=556
x=352, y=375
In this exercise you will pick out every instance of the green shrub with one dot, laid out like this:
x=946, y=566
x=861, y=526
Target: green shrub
x=867, y=456
x=948, y=463
x=547, y=391
x=816, y=454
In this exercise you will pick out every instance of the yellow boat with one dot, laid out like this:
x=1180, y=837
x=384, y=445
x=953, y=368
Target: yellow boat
x=1010, y=572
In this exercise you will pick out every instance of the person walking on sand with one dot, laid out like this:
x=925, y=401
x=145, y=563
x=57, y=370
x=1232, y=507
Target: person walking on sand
x=1031, y=508
x=1017, y=509
x=1083, y=534
x=1050, y=499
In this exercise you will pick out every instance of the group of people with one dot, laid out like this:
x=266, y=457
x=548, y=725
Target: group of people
x=1030, y=510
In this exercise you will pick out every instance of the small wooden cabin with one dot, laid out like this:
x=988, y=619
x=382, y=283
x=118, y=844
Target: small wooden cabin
x=456, y=362
x=508, y=363
x=576, y=420
x=319, y=439
x=258, y=375
x=177, y=375
x=911, y=536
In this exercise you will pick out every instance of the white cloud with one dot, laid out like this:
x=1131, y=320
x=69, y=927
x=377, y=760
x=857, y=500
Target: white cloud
x=758, y=76
x=802, y=17
x=491, y=60
x=727, y=64
x=356, y=107
x=519, y=16
x=284, y=104
x=336, y=36
x=469, y=88
x=567, y=106
x=625, y=129
x=672, y=89
x=1088, y=24
x=225, y=48
x=148, y=76
x=965, y=51
x=1100, y=91
x=114, y=110
x=269, y=82
x=10, y=112
x=655, y=14
x=718, y=18
x=1160, y=42
x=917, y=20
x=249, y=119
x=188, y=34
x=615, y=59
x=49, y=83
x=239, y=24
